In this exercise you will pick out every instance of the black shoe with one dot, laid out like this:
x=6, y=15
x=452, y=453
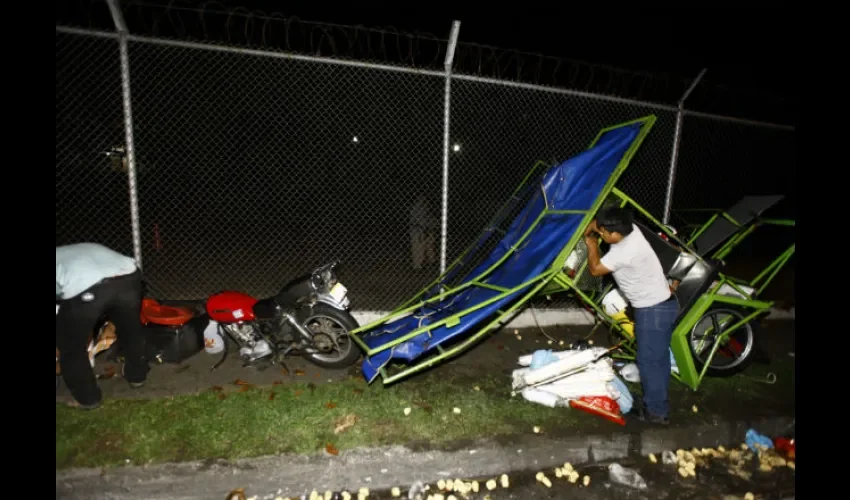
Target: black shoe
x=645, y=416
x=134, y=385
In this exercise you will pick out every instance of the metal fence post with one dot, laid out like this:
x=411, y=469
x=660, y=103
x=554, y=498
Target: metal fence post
x=674, y=157
x=121, y=27
x=450, y=55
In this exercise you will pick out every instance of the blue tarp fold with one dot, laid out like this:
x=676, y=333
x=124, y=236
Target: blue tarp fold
x=574, y=184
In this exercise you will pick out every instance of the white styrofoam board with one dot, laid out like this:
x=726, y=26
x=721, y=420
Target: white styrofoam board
x=549, y=317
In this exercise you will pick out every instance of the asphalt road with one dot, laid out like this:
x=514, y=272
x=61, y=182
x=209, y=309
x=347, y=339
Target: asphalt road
x=713, y=481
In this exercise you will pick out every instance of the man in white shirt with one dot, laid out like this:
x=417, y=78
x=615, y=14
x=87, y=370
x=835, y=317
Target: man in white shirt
x=640, y=277
x=93, y=281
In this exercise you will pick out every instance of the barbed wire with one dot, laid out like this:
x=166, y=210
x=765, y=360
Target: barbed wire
x=216, y=23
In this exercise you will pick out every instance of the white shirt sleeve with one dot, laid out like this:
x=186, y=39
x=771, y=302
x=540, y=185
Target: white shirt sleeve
x=614, y=259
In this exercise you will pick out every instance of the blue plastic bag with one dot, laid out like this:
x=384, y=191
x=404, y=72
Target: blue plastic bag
x=754, y=438
x=542, y=358
x=624, y=397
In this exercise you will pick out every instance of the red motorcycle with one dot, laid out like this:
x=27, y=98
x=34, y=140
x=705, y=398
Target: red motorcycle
x=309, y=317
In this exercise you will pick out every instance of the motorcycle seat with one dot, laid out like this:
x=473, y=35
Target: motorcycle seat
x=159, y=314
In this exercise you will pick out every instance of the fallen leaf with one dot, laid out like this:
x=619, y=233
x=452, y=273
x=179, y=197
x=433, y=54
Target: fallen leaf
x=425, y=406
x=271, y=396
x=299, y=372
x=245, y=388
x=298, y=393
x=240, y=382
x=500, y=347
x=237, y=494
x=277, y=382
x=217, y=388
x=318, y=375
x=330, y=448
x=358, y=391
x=342, y=424
x=284, y=371
x=222, y=396
x=330, y=406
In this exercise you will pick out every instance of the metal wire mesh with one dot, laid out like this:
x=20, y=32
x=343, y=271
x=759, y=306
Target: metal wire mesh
x=720, y=162
x=501, y=131
x=253, y=170
x=92, y=203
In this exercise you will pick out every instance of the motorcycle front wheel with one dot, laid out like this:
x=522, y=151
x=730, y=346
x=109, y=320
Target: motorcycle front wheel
x=331, y=326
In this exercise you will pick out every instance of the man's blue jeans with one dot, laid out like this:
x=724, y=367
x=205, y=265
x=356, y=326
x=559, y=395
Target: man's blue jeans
x=653, y=331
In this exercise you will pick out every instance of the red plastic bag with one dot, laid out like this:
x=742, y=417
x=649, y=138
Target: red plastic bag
x=603, y=406
x=786, y=447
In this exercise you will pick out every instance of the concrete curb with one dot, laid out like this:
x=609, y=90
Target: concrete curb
x=384, y=468
x=552, y=317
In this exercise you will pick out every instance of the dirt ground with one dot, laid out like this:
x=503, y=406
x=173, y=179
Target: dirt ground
x=496, y=356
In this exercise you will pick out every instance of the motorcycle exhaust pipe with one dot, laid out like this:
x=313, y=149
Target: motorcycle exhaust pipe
x=298, y=326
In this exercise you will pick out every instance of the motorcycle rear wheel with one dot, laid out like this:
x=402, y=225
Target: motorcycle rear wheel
x=322, y=318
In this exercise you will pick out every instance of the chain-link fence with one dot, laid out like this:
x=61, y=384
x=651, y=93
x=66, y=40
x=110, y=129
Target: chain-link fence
x=253, y=167
x=92, y=202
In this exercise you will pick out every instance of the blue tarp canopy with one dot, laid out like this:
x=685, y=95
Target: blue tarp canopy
x=574, y=184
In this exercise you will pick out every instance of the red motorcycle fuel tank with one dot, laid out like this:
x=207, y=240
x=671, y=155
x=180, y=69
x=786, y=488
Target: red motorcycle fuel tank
x=230, y=307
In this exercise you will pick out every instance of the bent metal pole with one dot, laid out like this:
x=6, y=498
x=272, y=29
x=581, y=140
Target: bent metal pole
x=674, y=157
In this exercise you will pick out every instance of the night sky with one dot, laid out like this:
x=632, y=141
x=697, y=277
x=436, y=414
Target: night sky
x=742, y=50
x=236, y=142
x=738, y=46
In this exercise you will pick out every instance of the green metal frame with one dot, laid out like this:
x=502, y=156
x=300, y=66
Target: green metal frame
x=744, y=230
x=688, y=373
x=533, y=285
x=556, y=279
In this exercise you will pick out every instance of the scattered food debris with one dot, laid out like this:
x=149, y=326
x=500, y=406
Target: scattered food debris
x=694, y=408
x=652, y=458
x=536, y=429
x=407, y=411
x=504, y=480
x=541, y=477
x=585, y=480
x=456, y=410
x=344, y=423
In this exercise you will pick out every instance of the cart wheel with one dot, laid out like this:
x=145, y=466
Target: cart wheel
x=736, y=352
